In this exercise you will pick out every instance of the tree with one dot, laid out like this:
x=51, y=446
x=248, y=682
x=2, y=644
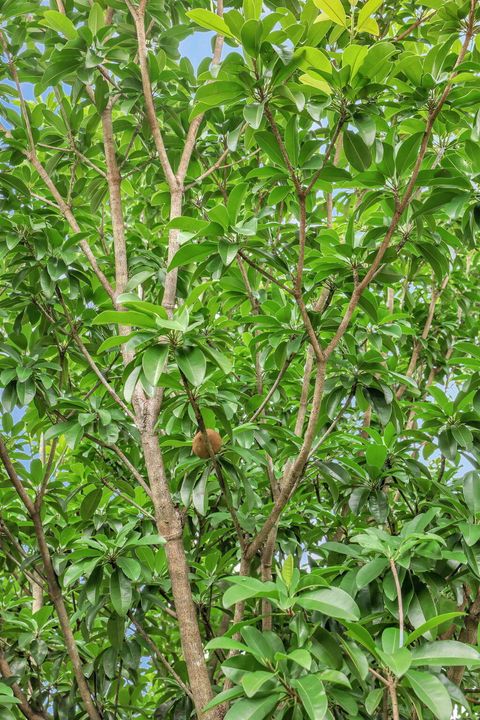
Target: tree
x=278, y=245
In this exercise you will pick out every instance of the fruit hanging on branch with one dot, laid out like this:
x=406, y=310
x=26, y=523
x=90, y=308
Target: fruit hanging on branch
x=200, y=447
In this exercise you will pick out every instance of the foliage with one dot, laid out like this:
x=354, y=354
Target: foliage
x=278, y=244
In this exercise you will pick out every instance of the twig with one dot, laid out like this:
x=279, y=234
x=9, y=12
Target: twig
x=423, y=18
x=275, y=385
x=403, y=204
x=265, y=273
x=91, y=362
x=294, y=471
x=398, y=587
x=335, y=421
x=121, y=455
x=46, y=474
x=24, y=706
x=118, y=492
x=157, y=652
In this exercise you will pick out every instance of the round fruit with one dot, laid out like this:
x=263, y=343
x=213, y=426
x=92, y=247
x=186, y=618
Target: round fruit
x=199, y=446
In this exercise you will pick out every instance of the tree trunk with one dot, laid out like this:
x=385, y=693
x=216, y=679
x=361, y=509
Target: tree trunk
x=169, y=525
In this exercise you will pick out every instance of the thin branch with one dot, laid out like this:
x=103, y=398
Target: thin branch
x=116, y=210
x=417, y=344
x=328, y=152
x=77, y=152
x=158, y=654
x=275, y=385
x=118, y=492
x=138, y=15
x=216, y=165
x=14, y=477
x=196, y=122
x=405, y=33
x=378, y=676
x=46, y=475
x=24, y=706
x=398, y=587
x=53, y=586
x=265, y=273
x=276, y=132
x=124, y=459
x=335, y=421
x=91, y=362
x=33, y=159
x=392, y=691
x=403, y=204
x=294, y=471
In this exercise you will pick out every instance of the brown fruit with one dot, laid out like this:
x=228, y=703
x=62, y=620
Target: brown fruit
x=199, y=446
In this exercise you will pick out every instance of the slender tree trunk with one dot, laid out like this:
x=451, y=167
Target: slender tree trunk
x=59, y=604
x=169, y=525
x=24, y=706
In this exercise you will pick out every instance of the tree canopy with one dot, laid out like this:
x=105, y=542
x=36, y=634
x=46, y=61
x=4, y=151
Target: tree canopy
x=277, y=246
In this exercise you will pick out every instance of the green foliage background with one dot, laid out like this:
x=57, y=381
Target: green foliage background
x=329, y=225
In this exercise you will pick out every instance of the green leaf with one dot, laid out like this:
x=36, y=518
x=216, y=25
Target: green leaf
x=116, y=631
x=377, y=61
x=192, y=252
x=432, y=693
x=153, y=362
x=90, y=503
x=397, y=662
x=471, y=491
x=370, y=571
x=287, y=570
x=301, y=657
x=372, y=701
x=131, y=383
x=78, y=570
x=191, y=362
x=247, y=587
x=253, y=709
x=226, y=643
x=120, y=592
x=357, y=152
x=224, y=697
x=127, y=317
x=252, y=682
x=354, y=55
x=364, y=14
x=96, y=20
x=210, y=21
x=60, y=23
x=253, y=114
x=313, y=696
x=114, y=342
x=334, y=10
x=376, y=455
x=333, y=602
x=220, y=92
x=446, y=653
x=130, y=567
x=430, y=624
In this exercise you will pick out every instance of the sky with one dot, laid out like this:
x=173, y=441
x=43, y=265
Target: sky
x=198, y=46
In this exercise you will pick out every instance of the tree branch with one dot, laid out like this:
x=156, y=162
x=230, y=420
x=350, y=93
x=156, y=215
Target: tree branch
x=294, y=471
x=138, y=15
x=24, y=706
x=91, y=362
x=158, y=654
x=398, y=587
x=403, y=204
x=53, y=586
